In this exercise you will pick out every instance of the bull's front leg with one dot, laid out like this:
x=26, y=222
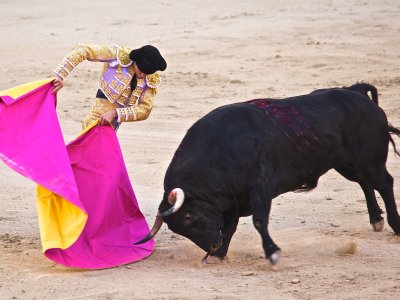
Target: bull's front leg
x=260, y=202
x=230, y=224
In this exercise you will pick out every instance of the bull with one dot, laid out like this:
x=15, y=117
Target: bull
x=237, y=158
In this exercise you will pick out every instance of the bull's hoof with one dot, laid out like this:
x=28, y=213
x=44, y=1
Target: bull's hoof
x=212, y=260
x=274, y=257
x=378, y=226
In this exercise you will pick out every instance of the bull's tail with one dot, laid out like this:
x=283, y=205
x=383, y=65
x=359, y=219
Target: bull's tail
x=364, y=88
x=396, y=131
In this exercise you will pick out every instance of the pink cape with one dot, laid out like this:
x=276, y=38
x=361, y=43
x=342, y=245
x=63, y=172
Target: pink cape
x=88, y=213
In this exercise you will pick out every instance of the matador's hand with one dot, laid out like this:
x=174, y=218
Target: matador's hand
x=107, y=117
x=58, y=84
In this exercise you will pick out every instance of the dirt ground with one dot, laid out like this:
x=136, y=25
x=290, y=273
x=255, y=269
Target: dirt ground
x=218, y=52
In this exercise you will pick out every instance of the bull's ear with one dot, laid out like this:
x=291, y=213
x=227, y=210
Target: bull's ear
x=188, y=195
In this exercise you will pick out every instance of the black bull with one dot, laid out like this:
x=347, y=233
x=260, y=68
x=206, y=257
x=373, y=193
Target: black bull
x=236, y=159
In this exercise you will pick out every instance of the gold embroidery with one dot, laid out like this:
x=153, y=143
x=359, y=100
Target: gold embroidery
x=153, y=80
x=88, y=52
x=100, y=107
x=125, y=79
x=61, y=73
x=115, y=92
x=123, y=56
x=126, y=114
x=131, y=115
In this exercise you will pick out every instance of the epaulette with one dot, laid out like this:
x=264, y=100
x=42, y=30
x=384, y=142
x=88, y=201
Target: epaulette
x=153, y=80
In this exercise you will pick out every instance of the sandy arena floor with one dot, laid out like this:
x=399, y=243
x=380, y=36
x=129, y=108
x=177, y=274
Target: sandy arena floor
x=218, y=52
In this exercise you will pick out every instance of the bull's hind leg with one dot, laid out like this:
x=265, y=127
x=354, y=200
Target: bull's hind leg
x=379, y=178
x=374, y=211
x=260, y=202
x=384, y=185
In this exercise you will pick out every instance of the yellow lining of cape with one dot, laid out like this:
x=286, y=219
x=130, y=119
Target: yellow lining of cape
x=60, y=222
x=23, y=89
x=87, y=128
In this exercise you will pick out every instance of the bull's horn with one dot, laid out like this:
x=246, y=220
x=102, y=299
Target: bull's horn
x=156, y=227
x=176, y=198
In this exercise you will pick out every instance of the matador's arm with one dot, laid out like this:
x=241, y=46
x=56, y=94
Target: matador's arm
x=139, y=111
x=85, y=52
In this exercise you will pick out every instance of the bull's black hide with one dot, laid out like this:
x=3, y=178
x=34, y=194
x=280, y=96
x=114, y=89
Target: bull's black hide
x=236, y=159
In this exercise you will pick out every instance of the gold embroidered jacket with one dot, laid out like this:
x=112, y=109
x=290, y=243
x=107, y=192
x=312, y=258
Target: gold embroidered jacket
x=115, y=79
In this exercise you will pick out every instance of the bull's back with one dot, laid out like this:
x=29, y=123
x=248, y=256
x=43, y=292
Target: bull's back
x=300, y=138
x=296, y=139
x=318, y=122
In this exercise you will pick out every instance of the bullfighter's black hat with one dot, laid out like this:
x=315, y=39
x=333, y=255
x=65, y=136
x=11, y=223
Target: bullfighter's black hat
x=148, y=59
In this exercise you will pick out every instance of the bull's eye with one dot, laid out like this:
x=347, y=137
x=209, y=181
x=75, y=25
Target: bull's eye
x=187, y=219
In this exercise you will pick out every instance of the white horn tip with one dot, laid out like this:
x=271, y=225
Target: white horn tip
x=176, y=198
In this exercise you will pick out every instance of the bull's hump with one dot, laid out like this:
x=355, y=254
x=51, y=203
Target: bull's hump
x=259, y=103
x=278, y=110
